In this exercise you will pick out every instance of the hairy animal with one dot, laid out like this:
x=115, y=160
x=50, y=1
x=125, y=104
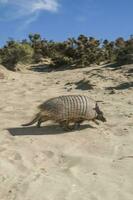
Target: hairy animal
x=67, y=110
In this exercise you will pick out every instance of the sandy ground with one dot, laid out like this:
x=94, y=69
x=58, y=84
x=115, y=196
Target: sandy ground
x=93, y=163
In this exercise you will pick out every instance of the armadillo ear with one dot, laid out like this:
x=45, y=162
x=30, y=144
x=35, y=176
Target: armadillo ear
x=97, y=108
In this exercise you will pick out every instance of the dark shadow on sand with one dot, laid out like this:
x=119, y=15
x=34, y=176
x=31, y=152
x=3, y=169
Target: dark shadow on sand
x=113, y=66
x=41, y=68
x=45, y=130
x=122, y=86
x=84, y=85
x=47, y=68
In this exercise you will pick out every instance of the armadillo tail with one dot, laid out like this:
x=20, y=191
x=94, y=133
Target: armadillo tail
x=33, y=121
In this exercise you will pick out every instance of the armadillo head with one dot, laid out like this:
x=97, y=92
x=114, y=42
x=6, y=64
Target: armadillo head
x=99, y=114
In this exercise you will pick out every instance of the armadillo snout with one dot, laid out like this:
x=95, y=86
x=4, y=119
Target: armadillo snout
x=100, y=117
x=103, y=119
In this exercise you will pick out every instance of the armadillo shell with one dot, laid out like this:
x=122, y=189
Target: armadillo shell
x=70, y=108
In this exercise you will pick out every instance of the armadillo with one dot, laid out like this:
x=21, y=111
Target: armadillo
x=68, y=109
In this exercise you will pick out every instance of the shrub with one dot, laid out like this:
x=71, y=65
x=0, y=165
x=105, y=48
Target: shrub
x=15, y=52
x=61, y=61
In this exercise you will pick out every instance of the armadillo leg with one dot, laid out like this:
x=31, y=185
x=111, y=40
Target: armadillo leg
x=39, y=123
x=68, y=127
x=65, y=125
x=95, y=122
x=40, y=120
x=77, y=124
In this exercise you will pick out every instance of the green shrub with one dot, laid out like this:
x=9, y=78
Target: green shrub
x=61, y=61
x=15, y=52
x=80, y=52
x=125, y=52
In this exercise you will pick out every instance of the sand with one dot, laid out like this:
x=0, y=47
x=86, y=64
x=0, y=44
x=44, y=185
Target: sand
x=93, y=163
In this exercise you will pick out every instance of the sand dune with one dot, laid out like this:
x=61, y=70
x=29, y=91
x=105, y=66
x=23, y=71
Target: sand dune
x=93, y=163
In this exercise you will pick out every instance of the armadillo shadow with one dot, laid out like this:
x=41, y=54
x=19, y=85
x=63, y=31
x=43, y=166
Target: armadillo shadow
x=45, y=130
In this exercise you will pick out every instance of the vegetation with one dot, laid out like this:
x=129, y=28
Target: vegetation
x=15, y=52
x=80, y=52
